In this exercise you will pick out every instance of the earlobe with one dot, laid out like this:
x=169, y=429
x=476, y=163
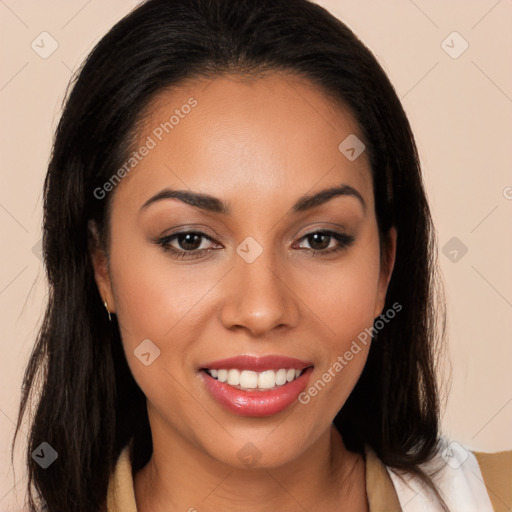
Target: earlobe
x=99, y=262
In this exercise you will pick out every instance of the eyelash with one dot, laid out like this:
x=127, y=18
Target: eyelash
x=343, y=239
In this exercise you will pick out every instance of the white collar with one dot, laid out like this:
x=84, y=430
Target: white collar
x=459, y=481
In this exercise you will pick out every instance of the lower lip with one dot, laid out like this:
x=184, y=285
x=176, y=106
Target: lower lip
x=256, y=403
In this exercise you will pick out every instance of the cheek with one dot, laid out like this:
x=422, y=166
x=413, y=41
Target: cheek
x=154, y=294
x=346, y=299
x=343, y=294
x=160, y=300
x=156, y=304
x=343, y=298
x=155, y=300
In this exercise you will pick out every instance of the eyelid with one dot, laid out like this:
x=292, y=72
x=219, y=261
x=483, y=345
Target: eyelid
x=314, y=227
x=191, y=228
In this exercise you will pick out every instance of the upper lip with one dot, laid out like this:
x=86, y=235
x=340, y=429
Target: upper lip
x=257, y=363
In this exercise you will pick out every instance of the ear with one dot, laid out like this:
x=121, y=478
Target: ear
x=99, y=262
x=388, y=254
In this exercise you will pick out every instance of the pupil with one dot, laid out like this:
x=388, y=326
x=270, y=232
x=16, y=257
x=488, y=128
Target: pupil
x=314, y=240
x=188, y=237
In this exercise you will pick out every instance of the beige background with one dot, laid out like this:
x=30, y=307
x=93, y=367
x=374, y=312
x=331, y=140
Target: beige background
x=460, y=110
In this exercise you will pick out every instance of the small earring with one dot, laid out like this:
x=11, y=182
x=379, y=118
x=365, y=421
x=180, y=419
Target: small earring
x=106, y=307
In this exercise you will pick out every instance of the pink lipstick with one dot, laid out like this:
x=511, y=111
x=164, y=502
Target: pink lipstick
x=256, y=386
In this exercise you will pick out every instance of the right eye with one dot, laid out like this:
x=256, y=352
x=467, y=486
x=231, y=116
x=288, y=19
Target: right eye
x=189, y=244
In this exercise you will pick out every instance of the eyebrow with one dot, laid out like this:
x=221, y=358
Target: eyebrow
x=214, y=205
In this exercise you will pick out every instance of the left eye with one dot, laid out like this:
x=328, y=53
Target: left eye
x=320, y=241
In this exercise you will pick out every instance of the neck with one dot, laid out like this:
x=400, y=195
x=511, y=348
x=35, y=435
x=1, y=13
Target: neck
x=180, y=477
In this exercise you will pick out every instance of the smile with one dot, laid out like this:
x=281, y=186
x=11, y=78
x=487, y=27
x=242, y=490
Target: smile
x=256, y=386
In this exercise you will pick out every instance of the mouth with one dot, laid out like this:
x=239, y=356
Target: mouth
x=256, y=386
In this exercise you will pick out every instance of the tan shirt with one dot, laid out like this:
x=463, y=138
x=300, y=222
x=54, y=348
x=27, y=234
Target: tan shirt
x=496, y=470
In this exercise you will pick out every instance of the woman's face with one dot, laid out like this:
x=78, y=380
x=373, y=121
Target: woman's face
x=247, y=282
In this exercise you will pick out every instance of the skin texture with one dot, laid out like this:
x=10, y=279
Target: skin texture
x=258, y=145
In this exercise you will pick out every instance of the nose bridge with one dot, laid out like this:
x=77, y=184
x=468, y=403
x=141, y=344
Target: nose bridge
x=259, y=298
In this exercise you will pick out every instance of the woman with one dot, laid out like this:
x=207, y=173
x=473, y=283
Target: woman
x=241, y=258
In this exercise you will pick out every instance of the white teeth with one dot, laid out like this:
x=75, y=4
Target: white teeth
x=280, y=377
x=267, y=380
x=247, y=379
x=233, y=377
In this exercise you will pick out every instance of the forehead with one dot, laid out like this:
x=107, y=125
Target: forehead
x=274, y=137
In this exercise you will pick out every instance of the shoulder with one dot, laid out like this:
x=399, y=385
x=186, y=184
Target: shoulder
x=468, y=480
x=496, y=469
x=474, y=478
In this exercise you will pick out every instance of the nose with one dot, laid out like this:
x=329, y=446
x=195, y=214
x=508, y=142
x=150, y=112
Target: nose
x=259, y=297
